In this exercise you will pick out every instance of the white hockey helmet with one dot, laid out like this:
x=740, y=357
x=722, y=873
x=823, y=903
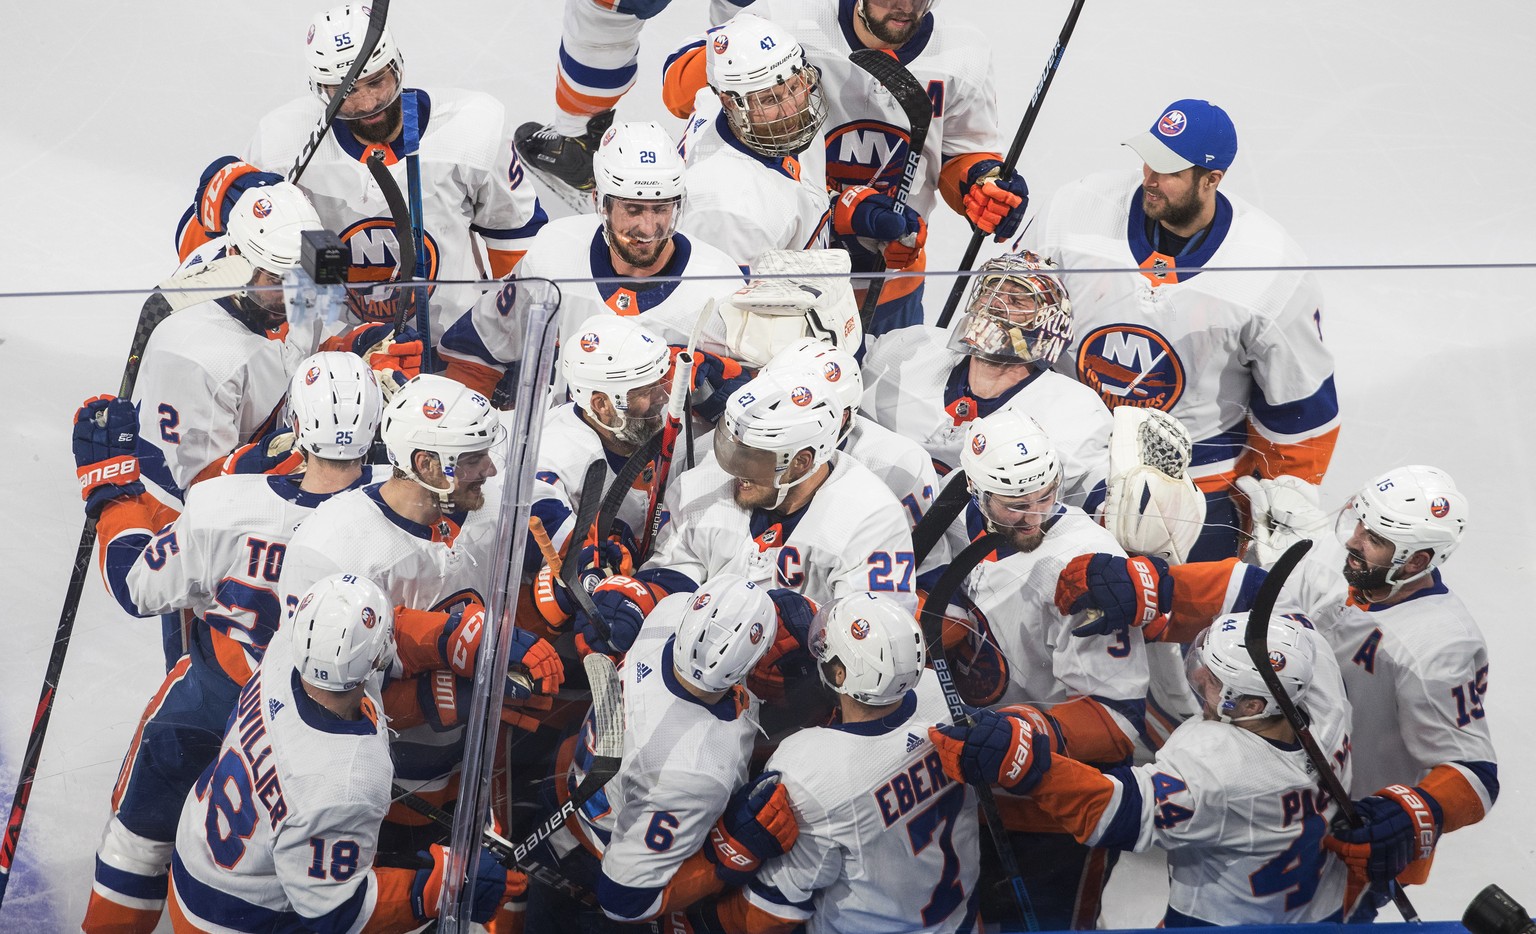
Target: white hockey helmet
x=331, y=44
x=1416, y=508
x=1007, y=453
x=877, y=642
x=837, y=368
x=783, y=414
x=806, y=293
x=1017, y=312
x=728, y=626
x=343, y=632
x=336, y=404
x=266, y=222
x=771, y=94
x=637, y=162
x=612, y=355
x=1223, y=651
x=442, y=416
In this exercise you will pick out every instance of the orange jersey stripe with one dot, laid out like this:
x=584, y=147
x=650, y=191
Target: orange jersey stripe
x=1306, y=459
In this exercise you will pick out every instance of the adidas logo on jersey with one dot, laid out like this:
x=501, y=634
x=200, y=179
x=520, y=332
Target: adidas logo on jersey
x=641, y=671
x=273, y=706
x=913, y=741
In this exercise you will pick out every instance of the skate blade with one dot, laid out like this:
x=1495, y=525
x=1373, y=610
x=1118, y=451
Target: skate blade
x=579, y=202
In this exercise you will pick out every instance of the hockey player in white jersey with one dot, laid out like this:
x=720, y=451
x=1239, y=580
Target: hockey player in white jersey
x=1232, y=797
x=1409, y=650
x=280, y=831
x=1092, y=690
x=1238, y=358
x=900, y=463
x=220, y=559
x=632, y=240
x=214, y=374
x=775, y=503
x=866, y=131
x=888, y=842
x=473, y=190
x=757, y=175
x=929, y=385
x=680, y=821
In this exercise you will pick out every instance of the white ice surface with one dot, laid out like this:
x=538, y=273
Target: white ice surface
x=1377, y=132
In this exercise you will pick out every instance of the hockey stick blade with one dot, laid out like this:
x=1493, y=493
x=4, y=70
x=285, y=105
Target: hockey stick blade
x=940, y=516
x=378, y=12
x=1256, y=641
x=918, y=106
x=608, y=747
x=931, y=621
x=1011, y=159
x=405, y=244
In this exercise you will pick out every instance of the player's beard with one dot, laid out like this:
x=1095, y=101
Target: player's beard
x=637, y=253
x=468, y=497
x=380, y=127
x=1022, y=541
x=1170, y=213
x=1363, y=576
x=638, y=429
x=885, y=32
x=754, y=495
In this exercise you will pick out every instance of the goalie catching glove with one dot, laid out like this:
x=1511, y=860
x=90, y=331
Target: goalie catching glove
x=1284, y=511
x=1151, y=506
x=757, y=825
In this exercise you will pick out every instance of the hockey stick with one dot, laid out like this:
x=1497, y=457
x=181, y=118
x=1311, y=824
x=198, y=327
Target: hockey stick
x=939, y=517
x=378, y=11
x=623, y=482
x=400, y=216
x=607, y=750
x=932, y=621
x=1012, y=159
x=677, y=411
x=411, y=137
x=1256, y=641
x=693, y=343
x=918, y=106
x=570, y=574
x=201, y=283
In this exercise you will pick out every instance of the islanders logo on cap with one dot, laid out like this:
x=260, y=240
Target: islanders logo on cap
x=755, y=634
x=1440, y=507
x=1172, y=123
x=859, y=629
x=801, y=396
x=589, y=341
x=262, y=207
x=1277, y=660
x=832, y=371
x=701, y=601
x=722, y=42
x=978, y=444
x=311, y=376
x=369, y=617
x=433, y=409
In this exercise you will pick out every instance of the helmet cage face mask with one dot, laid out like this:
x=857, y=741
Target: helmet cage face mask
x=782, y=119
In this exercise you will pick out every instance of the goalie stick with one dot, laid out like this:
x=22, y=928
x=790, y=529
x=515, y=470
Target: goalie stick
x=378, y=11
x=1012, y=159
x=940, y=516
x=887, y=69
x=1256, y=641
x=931, y=618
x=201, y=283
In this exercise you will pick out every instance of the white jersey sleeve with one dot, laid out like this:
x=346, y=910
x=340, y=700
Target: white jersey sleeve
x=900, y=463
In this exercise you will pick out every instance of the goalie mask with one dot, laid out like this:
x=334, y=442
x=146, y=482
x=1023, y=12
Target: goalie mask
x=343, y=633
x=619, y=359
x=1410, y=509
x=771, y=94
x=877, y=642
x=1017, y=312
x=1222, y=674
x=728, y=626
x=794, y=294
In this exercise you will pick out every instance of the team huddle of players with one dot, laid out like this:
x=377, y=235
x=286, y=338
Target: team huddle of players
x=1140, y=447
